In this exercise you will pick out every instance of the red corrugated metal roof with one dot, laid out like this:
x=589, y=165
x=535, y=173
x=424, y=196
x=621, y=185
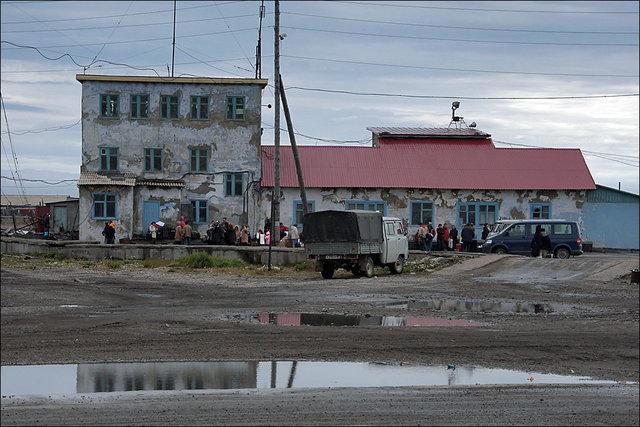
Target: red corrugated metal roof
x=454, y=164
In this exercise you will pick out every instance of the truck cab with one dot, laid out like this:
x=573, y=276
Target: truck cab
x=355, y=240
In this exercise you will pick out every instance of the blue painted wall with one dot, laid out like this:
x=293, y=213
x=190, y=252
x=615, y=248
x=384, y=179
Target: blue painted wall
x=611, y=225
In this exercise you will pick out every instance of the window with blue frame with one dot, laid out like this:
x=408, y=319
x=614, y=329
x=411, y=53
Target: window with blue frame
x=477, y=213
x=366, y=205
x=104, y=205
x=199, y=107
x=108, y=159
x=199, y=211
x=109, y=105
x=421, y=213
x=199, y=158
x=540, y=210
x=233, y=184
x=152, y=159
x=298, y=213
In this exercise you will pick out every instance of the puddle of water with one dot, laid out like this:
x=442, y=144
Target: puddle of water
x=323, y=319
x=122, y=377
x=149, y=295
x=69, y=306
x=470, y=306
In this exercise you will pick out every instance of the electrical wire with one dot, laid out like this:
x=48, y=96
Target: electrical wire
x=466, y=70
x=117, y=16
x=203, y=62
x=355, y=33
x=602, y=12
x=112, y=32
x=85, y=66
x=62, y=127
x=42, y=180
x=142, y=40
x=235, y=38
x=411, y=24
x=335, y=141
x=491, y=98
x=13, y=152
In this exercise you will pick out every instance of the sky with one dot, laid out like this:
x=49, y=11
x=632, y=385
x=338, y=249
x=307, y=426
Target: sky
x=442, y=51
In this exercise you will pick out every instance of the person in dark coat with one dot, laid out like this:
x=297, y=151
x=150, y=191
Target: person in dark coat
x=467, y=235
x=485, y=231
x=453, y=235
x=109, y=233
x=440, y=238
x=545, y=244
x=536, y=242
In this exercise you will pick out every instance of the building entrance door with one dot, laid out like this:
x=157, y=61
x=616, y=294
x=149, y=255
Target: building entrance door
x=151, y=213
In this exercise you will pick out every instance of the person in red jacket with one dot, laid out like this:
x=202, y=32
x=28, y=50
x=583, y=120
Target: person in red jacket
x=446, y=238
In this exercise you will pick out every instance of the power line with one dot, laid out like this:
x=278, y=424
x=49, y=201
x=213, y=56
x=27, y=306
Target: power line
x=585, y=151
x=144, y=40
x=112, y=32
x=468, y=70
x=62, y=127
x=42, y=180
x=315, y=138
x=355, y=33
x=13, y=152
x=603, y=12
x=411, y=24
x=235, y=38
x=348, y=92
x=129, y=25
x=118, y=16
x=205, y=63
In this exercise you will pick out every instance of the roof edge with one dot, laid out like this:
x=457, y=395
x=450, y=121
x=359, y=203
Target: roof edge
x=156, y=79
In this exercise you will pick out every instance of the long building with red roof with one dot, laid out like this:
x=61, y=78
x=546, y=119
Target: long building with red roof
x=434, y=174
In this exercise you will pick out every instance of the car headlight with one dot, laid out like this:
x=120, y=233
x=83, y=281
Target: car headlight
x=488, y=242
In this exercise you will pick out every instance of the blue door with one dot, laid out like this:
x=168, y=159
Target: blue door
x=151, y=213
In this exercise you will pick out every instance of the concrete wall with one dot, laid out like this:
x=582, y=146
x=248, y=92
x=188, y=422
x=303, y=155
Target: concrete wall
x=234, y=146
x=95, y=251
x=612, y=225
x=512, y=204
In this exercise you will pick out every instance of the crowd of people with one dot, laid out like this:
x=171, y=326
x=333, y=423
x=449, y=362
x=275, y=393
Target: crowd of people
x=446, y=237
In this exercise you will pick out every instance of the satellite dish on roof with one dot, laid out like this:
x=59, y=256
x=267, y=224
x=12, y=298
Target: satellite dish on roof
x=473, y=124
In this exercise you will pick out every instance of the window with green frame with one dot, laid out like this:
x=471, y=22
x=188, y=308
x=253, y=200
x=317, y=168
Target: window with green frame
x=108, y=159
x=233, y=183
x=109, y=105
x=104, y=205
x=298, y=213
x=199, y=107
x=235, y=107
x=153, y=159
x=365, y=205
x=169, y=106
x=199, y=157
x=139, y=106
x=540, y=211
x=478, y=213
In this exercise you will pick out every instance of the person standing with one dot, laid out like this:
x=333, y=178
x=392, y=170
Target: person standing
x=440, y=238
x=46, y=223
x=260, y=237
x=467, y=235
x=485, y=231
x=294, y=236
x=267, y=237
x=179, y=234
x=283, y=230
x=244, y=236
x=422, y=237
x=445, y=237
x=187, y=231
x=153, y=232
x=535, y=243
x=453, y=235
x=109, y=232
x=545, y=244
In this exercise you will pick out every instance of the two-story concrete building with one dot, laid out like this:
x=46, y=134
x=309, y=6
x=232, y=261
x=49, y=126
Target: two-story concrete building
x=155, y=148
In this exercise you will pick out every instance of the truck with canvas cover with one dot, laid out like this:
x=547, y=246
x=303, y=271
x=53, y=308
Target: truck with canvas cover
x=354, y=240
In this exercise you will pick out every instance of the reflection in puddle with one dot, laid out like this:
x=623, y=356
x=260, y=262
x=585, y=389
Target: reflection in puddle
x=122, y=377
x=470, y=306
x=317, y=319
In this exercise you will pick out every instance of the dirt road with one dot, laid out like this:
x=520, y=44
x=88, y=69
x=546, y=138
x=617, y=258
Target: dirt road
x=63, y=314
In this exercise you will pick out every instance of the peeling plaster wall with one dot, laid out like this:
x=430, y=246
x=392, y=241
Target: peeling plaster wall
x=512, y=204
x=90, y=228
x=234, y=146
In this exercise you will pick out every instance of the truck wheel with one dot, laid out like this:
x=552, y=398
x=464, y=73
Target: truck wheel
x=398, y=266
x=328, y=270
x=368, y=267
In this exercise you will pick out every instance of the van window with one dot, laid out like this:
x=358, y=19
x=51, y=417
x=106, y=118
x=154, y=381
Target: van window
x=562, y=229
x=545, y=227
x=517, y=230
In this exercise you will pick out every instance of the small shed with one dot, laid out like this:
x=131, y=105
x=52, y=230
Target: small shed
x=611, y=218
x=64, y=215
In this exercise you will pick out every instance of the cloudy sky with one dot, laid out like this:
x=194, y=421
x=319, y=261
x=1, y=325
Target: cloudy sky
x=442, y=51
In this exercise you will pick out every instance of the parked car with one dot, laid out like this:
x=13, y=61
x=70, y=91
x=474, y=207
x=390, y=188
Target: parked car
x=354, y=240
x=515, y=236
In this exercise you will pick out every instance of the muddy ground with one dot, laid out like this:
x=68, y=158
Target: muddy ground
x=163, y=314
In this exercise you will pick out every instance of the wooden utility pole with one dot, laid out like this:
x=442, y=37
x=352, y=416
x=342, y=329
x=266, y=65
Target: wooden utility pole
x=294, y=148
x=275, y=237
x=275, y=194
x=259, y=46
x=173, y=50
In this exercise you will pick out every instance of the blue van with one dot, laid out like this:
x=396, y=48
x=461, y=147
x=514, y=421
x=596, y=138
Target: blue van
x=514, y=237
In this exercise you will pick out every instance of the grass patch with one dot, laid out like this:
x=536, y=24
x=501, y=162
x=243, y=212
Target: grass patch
x=154, y=263
x=113, y=264
x=58, y=256
x=304, y=266
x=203, y=260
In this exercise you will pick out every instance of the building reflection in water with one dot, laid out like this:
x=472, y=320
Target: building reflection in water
x=111, y=377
